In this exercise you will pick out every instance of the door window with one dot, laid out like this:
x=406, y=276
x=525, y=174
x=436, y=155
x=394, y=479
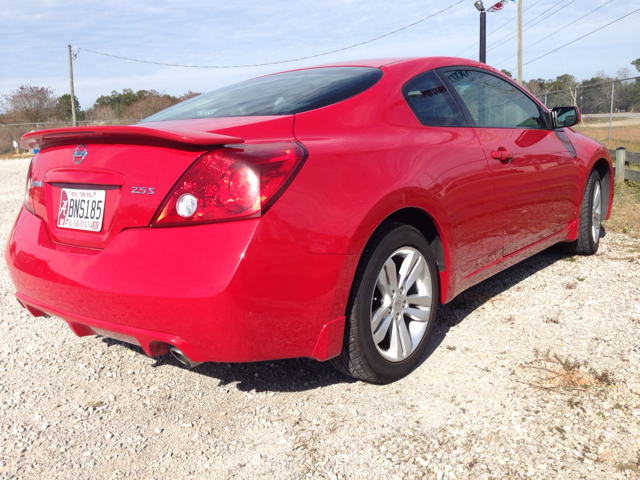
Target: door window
x=431, y=102
x=493, y=102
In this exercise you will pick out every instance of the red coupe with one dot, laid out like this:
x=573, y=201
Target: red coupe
x=323, y=212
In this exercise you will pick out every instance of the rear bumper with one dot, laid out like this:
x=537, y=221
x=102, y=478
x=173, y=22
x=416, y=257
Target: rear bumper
x=232, y=292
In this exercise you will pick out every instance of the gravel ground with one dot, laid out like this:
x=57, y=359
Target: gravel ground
x=531, y=374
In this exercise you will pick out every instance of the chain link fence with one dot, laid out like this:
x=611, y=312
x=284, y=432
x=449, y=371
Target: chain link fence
x=601, y=102
x=11, y=132
x=594, y=98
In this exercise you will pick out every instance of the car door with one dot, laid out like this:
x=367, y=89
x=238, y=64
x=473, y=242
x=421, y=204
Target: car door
x=461, y=174
x=534, y=168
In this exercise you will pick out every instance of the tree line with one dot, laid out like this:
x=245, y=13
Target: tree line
x=39, y=107
x=29, y=104
x=592, y=95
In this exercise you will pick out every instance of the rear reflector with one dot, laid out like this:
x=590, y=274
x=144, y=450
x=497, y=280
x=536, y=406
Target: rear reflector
x=230, y=183
x=28, y=192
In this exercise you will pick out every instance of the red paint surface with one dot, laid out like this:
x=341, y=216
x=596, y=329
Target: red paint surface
x=277, y=286
x=182, y=136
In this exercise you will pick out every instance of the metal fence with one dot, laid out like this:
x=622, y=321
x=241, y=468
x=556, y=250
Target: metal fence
x=612, y=96
x=11, y=132
x=601, y=97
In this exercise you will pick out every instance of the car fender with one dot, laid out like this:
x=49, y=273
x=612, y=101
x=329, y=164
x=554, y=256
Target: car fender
x=410, y=199
x=393, y=202
x=589, y=152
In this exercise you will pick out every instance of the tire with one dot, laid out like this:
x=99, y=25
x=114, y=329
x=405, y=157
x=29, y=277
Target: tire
x=392, y=306
x=590, y=219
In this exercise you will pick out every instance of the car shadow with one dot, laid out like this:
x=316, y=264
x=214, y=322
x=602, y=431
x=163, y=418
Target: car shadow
x=303, y=374
x=290, y=375
x=456, y=311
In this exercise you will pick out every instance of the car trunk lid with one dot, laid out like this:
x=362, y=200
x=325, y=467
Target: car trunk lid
x=131, y=169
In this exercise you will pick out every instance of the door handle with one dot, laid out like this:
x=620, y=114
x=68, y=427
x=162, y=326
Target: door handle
x=502, y=155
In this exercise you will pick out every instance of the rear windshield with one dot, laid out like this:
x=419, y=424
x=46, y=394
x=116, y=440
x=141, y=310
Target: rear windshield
x=280, y=94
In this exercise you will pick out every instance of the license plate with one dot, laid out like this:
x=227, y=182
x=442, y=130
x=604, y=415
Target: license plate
x=81, y=209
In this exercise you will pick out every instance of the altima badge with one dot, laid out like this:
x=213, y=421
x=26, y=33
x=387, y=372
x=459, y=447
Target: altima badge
x=79, y=153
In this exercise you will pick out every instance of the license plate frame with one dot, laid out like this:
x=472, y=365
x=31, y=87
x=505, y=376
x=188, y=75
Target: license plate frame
x=81, y=209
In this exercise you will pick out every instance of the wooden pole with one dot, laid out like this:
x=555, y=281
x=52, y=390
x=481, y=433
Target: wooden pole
x=73, y=98
x=613, y=91
x=520, y=41
x=621, y=154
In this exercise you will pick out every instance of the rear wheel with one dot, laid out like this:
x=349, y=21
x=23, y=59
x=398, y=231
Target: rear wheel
x=590, y=219
x=392, y=306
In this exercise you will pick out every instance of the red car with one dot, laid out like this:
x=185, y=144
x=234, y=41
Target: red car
x=322, y=212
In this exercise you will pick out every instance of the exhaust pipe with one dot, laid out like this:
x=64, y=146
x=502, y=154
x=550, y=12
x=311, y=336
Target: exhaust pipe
x=182, y=358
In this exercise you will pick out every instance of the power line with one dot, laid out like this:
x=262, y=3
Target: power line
x=509, y=36
x=580, y=38
x=497, y=29
x=551, y=34
x=279, y=62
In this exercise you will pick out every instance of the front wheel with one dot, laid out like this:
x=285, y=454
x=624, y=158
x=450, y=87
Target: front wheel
x=392, y=306
x=590, y=219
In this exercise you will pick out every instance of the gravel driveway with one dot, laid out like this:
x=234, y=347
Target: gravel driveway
x=531, y=374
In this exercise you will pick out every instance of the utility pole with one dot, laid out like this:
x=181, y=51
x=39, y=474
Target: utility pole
x=613, y=91
x=73, y=98
x=520, y=41
x=483, y=36
x=483, y=31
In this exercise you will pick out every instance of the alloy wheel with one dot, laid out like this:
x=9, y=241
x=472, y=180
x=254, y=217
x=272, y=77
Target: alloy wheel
x=401, y=304
x=596, y=212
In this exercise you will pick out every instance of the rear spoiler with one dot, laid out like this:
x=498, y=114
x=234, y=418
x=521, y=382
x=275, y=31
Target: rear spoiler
x=60, y=136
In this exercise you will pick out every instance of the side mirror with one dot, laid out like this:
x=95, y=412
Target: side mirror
x=565, y=116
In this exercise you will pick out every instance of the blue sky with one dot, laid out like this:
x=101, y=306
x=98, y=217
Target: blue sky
x=34, y=35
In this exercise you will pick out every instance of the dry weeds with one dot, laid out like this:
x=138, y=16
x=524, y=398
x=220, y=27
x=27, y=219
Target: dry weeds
x=621, y=136
x=567, y=376
x=625, y=215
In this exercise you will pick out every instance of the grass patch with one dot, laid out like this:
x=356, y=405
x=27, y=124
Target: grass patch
x=589, y=120
x=625, y=215
x=621, y=136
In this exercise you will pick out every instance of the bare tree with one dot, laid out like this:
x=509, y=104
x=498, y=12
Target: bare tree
x=29, y=104
x=104, y=113
x=188, y=95
x=623, y=73
x=149, y=104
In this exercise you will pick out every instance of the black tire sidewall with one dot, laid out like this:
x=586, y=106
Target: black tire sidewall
x=403, y=236
x=594, y=179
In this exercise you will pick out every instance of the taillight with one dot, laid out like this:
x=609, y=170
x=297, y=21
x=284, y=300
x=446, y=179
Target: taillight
x=28, y=192
x=230, y=183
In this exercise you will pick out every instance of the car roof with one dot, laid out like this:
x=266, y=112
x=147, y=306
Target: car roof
x=409, y=63
x=427, y=62
x=406, y=63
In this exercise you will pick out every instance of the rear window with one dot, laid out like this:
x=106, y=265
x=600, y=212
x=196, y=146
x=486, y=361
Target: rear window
x=431, y=102
x=280, y=94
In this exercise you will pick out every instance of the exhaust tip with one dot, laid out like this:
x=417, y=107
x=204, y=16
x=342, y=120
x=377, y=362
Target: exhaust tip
x=182, y=358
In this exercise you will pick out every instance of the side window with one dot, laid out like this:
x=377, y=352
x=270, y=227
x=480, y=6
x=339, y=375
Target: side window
x=493, y=102
x=431, y=102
